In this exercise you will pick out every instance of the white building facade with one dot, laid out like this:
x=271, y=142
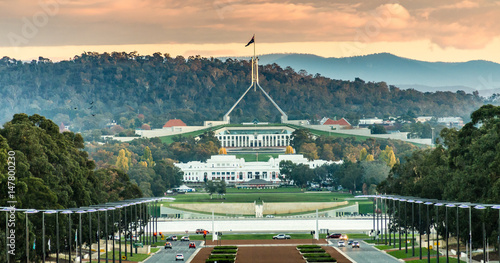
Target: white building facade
x=236, y=170
x=249, y=137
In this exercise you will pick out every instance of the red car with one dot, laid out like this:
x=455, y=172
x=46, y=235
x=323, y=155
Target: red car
x=192, y=245
x=336, y=235
x=201, y=231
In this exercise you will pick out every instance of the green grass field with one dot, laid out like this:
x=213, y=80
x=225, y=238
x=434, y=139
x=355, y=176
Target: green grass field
x=250, y=197
x=401, y=253
x=252, y=157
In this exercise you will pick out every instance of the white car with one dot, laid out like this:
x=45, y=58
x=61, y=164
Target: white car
x=185, y=238
x=281, y=236
x=341, y=243
x=179, y=257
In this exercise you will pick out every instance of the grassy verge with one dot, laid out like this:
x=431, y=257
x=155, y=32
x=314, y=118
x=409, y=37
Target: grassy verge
x=433, y=260
x=401, y=253
x=264, y=196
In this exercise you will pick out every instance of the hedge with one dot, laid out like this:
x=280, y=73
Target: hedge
x=312, y=250
x=308, y=246
x=316, y=255
x=218, y=260
x=226, y=247
x=321, y=260
x=222, y=256
x=224, y=251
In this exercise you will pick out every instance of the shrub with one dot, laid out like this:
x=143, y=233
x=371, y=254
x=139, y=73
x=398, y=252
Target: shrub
x=308, y=246
x=322, y=260
x=224, y=251
x=316, y=255
x=213, y=260
x=222, y=256
x=226, y=247
x=312, y=250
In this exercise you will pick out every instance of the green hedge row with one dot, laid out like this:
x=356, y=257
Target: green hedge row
x=222, y=256
x=312, y=250
x=321, y=260
x=225, y=247
x=316, y=255
x=218, y=260
x=224, y=251
x=308, y=246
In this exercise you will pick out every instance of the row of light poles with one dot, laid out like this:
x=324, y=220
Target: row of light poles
x=140, y=222
x=403, y=200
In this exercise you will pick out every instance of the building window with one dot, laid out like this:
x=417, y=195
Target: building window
x=249, y=175
x=264, y=175
x=241, y=175
x=273, y=175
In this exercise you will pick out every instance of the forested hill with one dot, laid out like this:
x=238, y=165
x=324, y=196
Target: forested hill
x=91, y=89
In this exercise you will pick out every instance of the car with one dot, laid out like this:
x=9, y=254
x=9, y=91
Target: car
x=201, y=231
x=336, y=235
x=281, y=236
x=341, y=243
x=350, y=242
x=355, y=244
x=172, y=238
x=179, y=257
x=269, y=216
x=168, y=245
x=192, y=245
x=185, y=238
x=344, y=237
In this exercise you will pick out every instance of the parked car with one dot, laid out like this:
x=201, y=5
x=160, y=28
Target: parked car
x=355, y=244
x=168, y=245
x=336, y=235
x=341, y=243
x=179, y=257
x=192, y=245
x=185, y=238
x=281, y=236
x=200, y=231
x=172, y=238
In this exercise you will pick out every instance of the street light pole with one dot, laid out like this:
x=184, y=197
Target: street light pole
x=428, y=232
x=498, y=207
x=437, y=233
x=419, y=202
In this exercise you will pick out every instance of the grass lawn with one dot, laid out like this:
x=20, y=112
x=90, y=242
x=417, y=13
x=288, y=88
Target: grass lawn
x=383, y=247
x=365, y=207
x=401, y=253
x=381, y=241
x=266, y=197
x=134, y=257
x=233, y=190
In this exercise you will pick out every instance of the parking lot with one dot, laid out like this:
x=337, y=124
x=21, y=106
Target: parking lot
x=168, y=255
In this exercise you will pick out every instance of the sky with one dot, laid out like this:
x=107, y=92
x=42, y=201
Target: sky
x=429, y=30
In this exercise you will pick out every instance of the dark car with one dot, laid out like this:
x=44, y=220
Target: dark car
x=350, y=242
x=355, y=244
x=172, y=238
x=336, y=235
x=168, y=245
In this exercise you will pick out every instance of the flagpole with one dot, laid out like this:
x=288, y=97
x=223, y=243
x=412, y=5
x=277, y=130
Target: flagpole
x=43, y=235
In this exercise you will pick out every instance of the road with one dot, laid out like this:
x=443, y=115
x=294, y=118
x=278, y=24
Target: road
x=168, y=255
x=366, y=253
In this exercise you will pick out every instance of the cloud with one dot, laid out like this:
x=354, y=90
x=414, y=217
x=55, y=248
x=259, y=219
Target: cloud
x=460, y=24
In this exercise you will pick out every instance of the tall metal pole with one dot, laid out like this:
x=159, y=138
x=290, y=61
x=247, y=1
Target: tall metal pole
x=447, y=234
x=389, y=226
x=428, y=236
x=437, y=233
x=135, y=226
x=107, y=233
x=458, y=238
x=80, y=237
x=385, y=220
x=27, y=240
x=43, y=236
x=470, y=233
x=90, y=237
x=399, y=223
x=406, y=229
x=120, y=235
x=394, y=220
x=126, y=228
x=57, y=237
x=113, y=232
x=69, y=236
x=98, y=237
x=413, y=228
x=374, y=212
x=420, y=228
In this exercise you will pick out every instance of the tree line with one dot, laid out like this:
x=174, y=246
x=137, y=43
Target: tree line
x=144, y=91
x=462, y=168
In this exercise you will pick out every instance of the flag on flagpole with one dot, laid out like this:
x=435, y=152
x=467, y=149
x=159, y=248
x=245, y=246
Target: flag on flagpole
x=48, y=243
x=34, y=243
x=251, y=41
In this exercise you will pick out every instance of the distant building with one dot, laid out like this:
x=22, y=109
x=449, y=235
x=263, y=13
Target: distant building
x=254, y=136
x=343, y=123
x=174, y=123
x=423, y=119
x=371, y=121
x=236, y=170
x=451, y=122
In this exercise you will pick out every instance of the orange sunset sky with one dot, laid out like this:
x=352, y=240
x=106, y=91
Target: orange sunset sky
x=424, y=29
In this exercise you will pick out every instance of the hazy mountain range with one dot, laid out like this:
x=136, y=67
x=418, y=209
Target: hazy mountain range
x=479, y=75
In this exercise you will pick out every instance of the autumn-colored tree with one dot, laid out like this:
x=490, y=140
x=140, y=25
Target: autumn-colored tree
x=122, y=161
x=370, y=158
x=309, y=150
x=363, y=154
x=387, y=156
x=148, y=157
